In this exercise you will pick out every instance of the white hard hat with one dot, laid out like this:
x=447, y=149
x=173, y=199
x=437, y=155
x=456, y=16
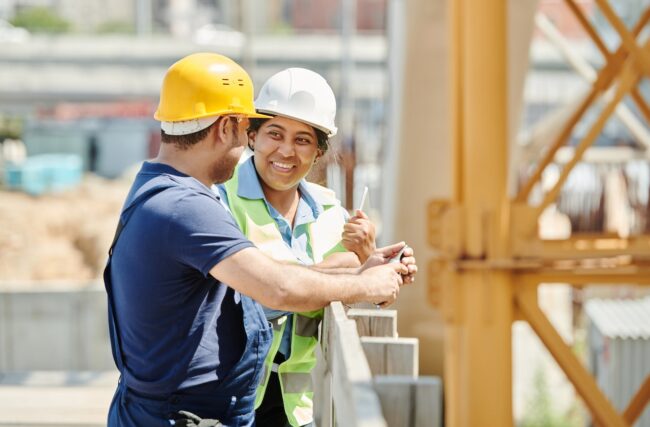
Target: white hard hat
x=299, y=94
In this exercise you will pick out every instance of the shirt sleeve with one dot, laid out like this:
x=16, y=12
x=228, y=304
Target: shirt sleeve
x=346, y=214
x=203, y=233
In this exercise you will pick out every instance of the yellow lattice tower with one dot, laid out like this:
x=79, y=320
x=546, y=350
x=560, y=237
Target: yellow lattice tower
x=491, y=259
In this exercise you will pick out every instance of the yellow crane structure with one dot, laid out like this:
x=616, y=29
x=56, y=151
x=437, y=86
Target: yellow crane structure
x=485, y=259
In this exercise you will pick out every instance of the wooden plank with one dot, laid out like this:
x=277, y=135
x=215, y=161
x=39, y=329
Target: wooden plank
x=325, y=337
x=410, y=402
x=374, y=323
x=391, y=356
x=355, y=402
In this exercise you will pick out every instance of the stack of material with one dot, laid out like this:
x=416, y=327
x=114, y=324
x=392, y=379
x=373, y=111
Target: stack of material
x=608, y=197
x=62, y=237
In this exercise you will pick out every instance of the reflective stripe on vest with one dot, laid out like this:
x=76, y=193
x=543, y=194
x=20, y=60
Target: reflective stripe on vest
x=296, y=382
x=306, y=327
x=324, y=236
x=277, y=323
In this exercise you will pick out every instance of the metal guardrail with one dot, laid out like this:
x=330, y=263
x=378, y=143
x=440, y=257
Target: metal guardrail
x=368, y=376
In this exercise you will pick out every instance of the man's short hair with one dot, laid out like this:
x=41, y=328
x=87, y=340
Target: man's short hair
x=184, y=142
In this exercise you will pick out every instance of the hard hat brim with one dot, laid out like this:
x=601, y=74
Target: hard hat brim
x=270, y=114
x=258, y=116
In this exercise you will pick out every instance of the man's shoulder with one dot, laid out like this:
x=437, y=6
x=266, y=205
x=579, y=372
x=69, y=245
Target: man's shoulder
x=177, y=198
x=185, y=201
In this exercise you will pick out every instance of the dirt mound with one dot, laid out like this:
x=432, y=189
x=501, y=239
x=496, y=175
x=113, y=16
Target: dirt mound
x=62, y=237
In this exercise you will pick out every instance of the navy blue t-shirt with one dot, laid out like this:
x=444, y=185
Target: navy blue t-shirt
x=179, y=326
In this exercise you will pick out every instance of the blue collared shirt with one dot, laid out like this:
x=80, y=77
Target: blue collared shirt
x=297, y=238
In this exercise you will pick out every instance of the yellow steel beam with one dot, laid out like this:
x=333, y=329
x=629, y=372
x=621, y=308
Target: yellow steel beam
x=479, y=307
x=601, y=408
x=472, y=281
x=561, y=139
x=606, y=272
x=602, y=82
x=588, y=28
x=640, y=102
x=589, y=276
x=638, y=402
x=628, y=40
x=484, y=132
x=579, y=14
x=580, y=246
x=629, y=78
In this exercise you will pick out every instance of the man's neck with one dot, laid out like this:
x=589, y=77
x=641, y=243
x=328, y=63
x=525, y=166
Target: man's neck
x=183, y=161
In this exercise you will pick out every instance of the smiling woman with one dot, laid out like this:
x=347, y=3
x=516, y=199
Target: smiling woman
x=291, y=220
x=285, y=151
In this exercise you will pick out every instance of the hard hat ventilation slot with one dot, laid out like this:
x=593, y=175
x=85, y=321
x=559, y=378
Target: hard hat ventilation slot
x=241, y=82
x=225, y=82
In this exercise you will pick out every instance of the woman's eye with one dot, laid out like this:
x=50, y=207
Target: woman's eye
x=303, y=141
x=275, y=135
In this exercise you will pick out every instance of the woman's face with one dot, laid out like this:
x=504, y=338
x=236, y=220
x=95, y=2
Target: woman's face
x=285, y=150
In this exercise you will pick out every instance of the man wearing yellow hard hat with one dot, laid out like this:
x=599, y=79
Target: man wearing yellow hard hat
x=188, y=335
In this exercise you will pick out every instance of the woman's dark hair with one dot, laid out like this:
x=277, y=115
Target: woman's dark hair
x=323, y=145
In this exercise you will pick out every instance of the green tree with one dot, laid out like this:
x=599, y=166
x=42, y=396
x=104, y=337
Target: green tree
x=40, y=20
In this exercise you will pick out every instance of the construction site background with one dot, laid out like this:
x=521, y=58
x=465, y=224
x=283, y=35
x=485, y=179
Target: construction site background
x=88, y=85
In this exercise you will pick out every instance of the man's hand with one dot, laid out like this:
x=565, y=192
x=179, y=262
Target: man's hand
x=384, y=254
x=359, y=236
x=383, y=283
x=408, y=260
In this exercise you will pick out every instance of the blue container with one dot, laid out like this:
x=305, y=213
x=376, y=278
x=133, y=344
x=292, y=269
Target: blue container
x=45, y=173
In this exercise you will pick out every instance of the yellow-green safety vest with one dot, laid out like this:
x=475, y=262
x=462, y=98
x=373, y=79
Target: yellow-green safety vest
x=324, y=236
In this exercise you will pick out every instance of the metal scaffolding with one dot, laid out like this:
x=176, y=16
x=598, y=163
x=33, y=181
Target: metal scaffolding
x=491, y=260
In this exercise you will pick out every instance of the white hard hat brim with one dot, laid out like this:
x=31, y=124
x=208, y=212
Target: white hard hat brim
x=329, y=132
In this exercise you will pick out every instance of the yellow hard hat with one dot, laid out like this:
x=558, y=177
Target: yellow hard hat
x=205, y=85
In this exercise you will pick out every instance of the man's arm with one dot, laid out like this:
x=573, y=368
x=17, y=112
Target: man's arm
x=295, y=288
x=335, y=264
x=347, y=262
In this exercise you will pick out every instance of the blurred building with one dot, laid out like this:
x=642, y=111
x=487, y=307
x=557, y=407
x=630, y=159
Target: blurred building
x=84, y=16
x=563, y=19
x=182, y=17
x=619, y=348
x=325, y=14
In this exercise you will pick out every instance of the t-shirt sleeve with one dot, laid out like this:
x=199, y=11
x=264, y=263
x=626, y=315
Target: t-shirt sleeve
x=203, y=233
x=346, y=215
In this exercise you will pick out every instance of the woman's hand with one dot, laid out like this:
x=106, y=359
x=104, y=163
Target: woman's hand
x=359, y=236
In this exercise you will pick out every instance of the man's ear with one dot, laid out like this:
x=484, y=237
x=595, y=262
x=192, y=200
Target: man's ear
x=220, y=129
